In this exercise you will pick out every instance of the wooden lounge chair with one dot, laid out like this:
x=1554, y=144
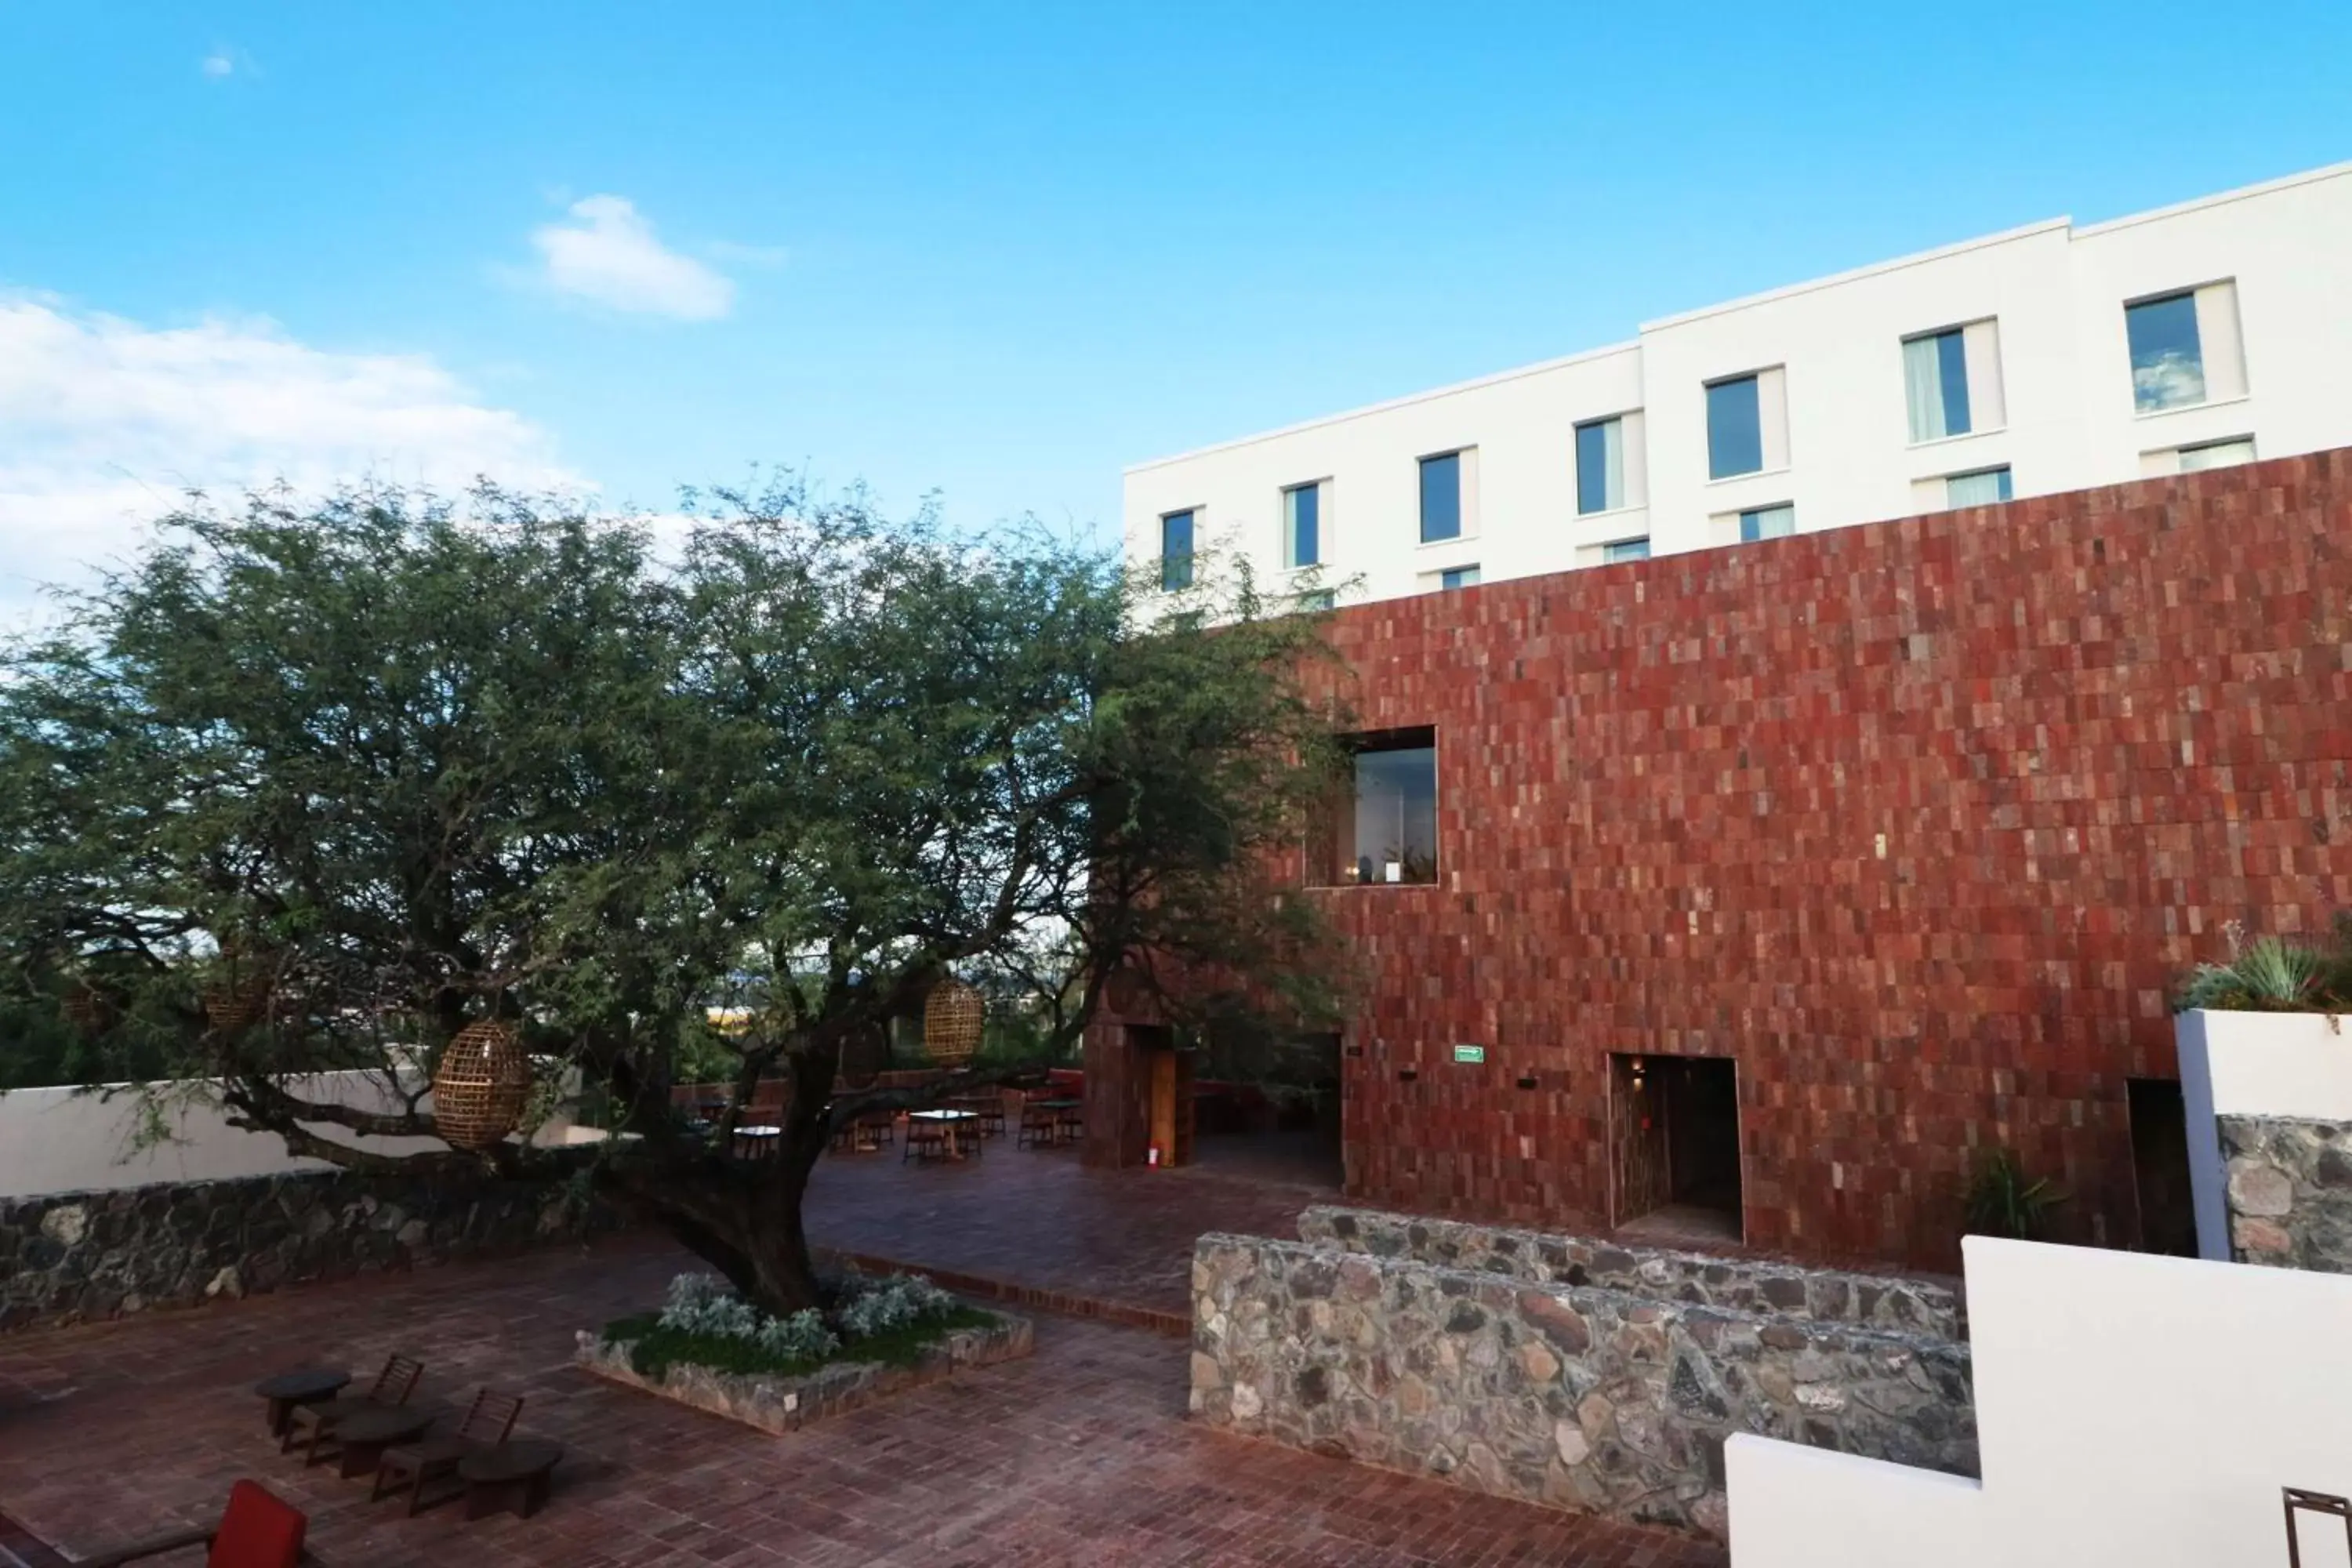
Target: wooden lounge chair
x=256, y=1531
x=313, y=1424
x=487, y=1421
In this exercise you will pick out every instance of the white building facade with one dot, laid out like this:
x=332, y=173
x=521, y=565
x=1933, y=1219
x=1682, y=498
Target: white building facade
x=2049, y=358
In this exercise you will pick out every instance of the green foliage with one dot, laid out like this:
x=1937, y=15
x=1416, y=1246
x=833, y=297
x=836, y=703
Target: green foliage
x=2272, y=974
x=2004, y=1200
x=394, y=764
x=654, y=1349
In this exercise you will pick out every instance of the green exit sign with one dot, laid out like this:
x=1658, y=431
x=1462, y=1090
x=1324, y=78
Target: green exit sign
x=1469, y=1053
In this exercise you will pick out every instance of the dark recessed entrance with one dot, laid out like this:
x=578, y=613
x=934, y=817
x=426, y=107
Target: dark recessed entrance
x=1270, y=1108
x=1674, y=1134
x=2160, y=1134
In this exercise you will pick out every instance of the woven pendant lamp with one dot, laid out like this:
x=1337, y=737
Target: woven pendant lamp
x=481, y=1086
x=236, y=1007
x=953, y=1015
x=85, y=1006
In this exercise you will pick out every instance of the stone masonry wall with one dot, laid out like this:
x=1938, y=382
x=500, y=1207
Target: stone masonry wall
x=2290, y=1191
x=1737, y=1284
x=1571, y=1396
x=77, y=1256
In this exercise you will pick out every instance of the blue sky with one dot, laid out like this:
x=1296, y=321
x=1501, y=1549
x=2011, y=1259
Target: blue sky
x=993, y=251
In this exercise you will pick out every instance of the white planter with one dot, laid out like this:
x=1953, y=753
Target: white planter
x=2294, y=1064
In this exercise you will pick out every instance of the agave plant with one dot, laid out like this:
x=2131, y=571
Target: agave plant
x=2004, y=1200
x=2268, y=973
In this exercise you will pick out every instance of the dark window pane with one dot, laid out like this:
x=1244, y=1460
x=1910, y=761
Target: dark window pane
x=1176, y=551
x=1396, y=815
x=1441, y=497
x=1952, y=369
x=1458, y=577
x=1734, y=429
x=1303, y=524
x=2168, y=363
x=1767, y=523
x=1592, y=465
x=1625, y=550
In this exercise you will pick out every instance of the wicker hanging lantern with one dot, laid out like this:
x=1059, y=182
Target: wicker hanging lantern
x=953, y=1017
x=481, y=1086
x=236, y=1006
x=85, y=1007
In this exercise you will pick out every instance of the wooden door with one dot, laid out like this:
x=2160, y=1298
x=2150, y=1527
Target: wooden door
x=1637, y=1137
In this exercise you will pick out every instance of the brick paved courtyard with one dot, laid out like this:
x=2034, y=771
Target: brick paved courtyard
x=1078, y=1456
x=1042, y=1220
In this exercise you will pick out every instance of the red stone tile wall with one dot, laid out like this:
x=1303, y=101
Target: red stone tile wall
x=2086, y=729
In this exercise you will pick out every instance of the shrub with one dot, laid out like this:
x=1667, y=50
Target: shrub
x=2004, y=1200
x=2272, y=974
x=879, y=1307
x=801, y=1336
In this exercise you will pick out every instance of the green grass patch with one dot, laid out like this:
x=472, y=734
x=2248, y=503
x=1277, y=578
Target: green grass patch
x=654, y=1349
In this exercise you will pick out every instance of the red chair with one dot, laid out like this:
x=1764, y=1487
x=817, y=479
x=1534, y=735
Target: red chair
x=256, y=1531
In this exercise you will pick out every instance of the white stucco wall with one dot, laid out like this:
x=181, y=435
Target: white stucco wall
x=2130, y=1408
x=2296, y=1065
x=68, y=1140
x=2055, y=292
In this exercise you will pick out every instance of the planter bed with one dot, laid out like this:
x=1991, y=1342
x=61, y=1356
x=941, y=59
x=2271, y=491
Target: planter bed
x=783, y=1397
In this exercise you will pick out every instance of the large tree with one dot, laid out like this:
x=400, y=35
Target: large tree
x=388, y=766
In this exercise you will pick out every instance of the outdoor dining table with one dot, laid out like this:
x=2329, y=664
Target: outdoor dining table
x=953, y=1122
x=312, y=1385
x=758, y=1141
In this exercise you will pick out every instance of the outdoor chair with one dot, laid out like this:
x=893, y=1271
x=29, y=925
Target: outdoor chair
x=487, y=1421
x=1037, y=1123
x=256, y=1531
x=313, y=1424
x=990, y=1109
x=925, y=1141
x=880, y=1126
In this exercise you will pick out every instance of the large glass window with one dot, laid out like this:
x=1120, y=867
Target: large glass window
x=1735, y=428
x=1936, y=381
x=1601, y=465
x=1441, y=497
x=1988, y=487
x=1394, y=833
x=1767, y=523
x=2168, y=360
x=1176, y=551
x=1302, y=525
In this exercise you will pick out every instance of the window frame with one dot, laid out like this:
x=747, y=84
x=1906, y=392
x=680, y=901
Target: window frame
x=2184, y=297
x=1458, y=456
x=1754, y=381
x=1343, y=871
x=1173, y=579
x=1290, y=561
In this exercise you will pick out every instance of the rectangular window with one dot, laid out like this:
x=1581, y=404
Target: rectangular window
x=1601, y=465
x=1987, y=486
x=1176, y=551
x=1315, y=600
x=1735, y=428
x=1936, y=381
x=2216, y=455
x=1747, y=423
x=1441, y=497
x=1458, y=577
x=1625, y=550
x=2167, y=359
x=1302, y=525
x=1767, y=523
x=1392, y=834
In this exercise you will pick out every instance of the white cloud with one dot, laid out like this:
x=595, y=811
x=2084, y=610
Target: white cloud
x=221, y=62
x=103, y=423
x=611, y=256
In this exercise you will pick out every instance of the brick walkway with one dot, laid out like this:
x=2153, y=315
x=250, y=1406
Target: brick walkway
x=1039, y=1218
x=1077, y=1455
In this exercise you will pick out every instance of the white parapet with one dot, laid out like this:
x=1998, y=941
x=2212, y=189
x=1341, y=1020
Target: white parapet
x=2130, y=1409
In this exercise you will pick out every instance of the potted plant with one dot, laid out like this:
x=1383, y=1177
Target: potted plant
x=2260, y=1036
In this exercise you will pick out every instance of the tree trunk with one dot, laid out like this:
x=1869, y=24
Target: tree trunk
x=741, y=1216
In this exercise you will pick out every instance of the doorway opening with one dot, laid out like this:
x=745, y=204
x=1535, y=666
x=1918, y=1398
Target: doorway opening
x=1268, y=1108
x=1674, y=1126
x=2159, y=1135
